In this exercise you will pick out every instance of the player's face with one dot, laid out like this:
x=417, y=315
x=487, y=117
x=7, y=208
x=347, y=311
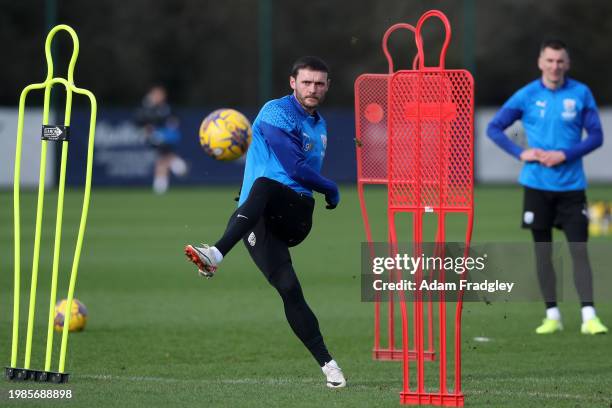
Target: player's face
x=553, y=64
x=309, y=87
x=157, y=96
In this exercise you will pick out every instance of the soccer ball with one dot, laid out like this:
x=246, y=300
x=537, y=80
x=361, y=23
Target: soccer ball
x=225, y=134
x=78, y=317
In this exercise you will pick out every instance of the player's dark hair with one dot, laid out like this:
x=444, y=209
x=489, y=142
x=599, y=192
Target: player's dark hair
x=310, y=62
x=555, y=44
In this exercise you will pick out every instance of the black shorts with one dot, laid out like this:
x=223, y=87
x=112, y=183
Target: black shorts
x=547, y=209
x=164, y=149
x=286, y=222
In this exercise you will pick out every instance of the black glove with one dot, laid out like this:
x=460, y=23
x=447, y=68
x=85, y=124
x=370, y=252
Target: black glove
x=332, y=199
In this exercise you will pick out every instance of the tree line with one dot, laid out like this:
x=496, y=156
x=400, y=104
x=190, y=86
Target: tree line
x=208, y=53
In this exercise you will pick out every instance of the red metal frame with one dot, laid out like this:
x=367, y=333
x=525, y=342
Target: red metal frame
x=373, y=88
x=430, y=169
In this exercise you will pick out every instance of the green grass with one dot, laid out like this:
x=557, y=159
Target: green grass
x=160, y=336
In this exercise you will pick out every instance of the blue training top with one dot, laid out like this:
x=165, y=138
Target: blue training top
x=553, y=120
x=288, y=146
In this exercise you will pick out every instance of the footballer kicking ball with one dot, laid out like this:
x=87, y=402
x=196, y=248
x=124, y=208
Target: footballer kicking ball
x=225, y=134
x=78, y=315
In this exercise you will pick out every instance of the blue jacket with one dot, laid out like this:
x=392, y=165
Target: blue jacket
x=553, y=120
x=288, y=146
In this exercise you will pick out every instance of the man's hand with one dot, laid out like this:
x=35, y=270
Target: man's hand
x=531, y=155
x=332, y=199
x=551, y=158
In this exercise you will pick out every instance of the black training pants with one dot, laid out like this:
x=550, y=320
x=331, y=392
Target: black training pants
x=272, y=219
x=577, y=235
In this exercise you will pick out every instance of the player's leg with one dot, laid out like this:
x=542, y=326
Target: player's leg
x=207, y=258
x=161, y=176
x=538, y=216
x=271, y=255
x=547, y=280
x=287, y=222
x=573, y=218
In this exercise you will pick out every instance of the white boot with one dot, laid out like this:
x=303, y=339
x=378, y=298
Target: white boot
x=335, y=377
x=178, y=166
x=160, y=185
x=204, y=258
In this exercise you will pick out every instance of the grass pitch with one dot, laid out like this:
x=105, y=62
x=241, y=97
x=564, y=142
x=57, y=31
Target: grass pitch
x=158, y=335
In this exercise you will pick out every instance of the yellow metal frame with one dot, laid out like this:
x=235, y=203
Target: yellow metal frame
x=68, y=84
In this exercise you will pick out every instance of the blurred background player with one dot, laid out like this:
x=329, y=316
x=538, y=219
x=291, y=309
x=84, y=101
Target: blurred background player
x=276, y=204
x=161, y=128
x=554, y=110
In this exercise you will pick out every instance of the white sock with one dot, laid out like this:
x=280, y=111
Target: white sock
x=588, y=313
x=160, y=185
x=217, y=254
x=553, y=313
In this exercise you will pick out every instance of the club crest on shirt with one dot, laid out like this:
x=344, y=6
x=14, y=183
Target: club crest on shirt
x=542, y=106
x=324, y=143
x=569, y=109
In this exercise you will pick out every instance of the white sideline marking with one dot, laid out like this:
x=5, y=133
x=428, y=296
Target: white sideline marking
x=292, y=381
x=545, y=395
x=256, y=381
